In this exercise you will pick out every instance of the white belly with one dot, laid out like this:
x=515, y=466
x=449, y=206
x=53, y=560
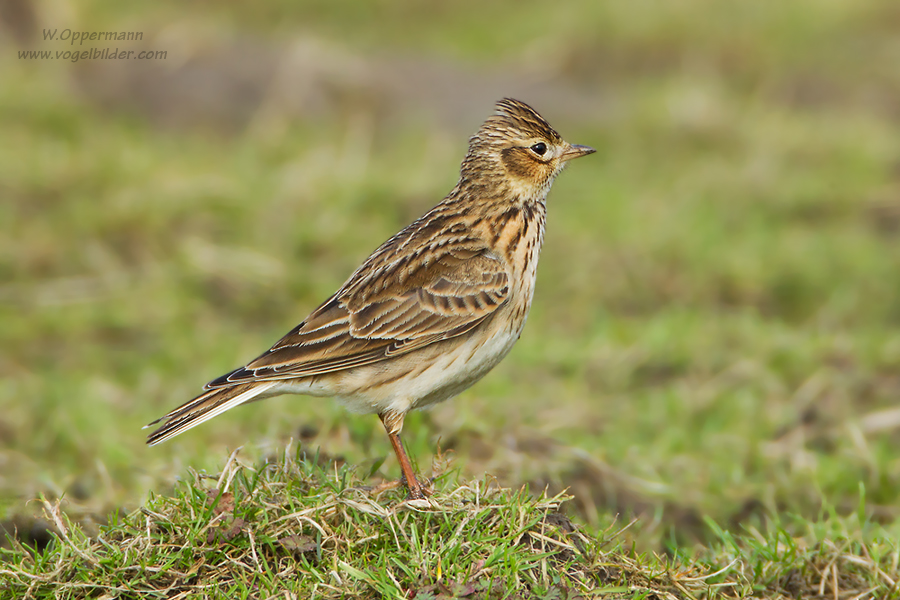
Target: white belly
x=437, y=378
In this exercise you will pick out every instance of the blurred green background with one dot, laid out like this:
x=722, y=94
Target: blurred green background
x=715, y=327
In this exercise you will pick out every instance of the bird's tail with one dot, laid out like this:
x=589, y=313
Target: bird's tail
x=204, y=407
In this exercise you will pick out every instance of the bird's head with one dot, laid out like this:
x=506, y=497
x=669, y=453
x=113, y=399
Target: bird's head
x=517, y=151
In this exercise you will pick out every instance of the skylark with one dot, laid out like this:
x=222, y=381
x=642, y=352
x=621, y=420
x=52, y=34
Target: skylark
x=433, y=309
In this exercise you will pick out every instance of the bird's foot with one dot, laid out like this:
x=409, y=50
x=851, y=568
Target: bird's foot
x=418, y=491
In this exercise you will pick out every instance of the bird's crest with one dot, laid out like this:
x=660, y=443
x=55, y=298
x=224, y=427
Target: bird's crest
x=515, y=114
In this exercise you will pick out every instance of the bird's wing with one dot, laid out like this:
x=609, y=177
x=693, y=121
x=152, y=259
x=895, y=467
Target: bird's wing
x=406, y=304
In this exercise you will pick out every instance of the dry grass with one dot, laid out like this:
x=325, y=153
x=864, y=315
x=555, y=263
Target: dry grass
x=303, y=527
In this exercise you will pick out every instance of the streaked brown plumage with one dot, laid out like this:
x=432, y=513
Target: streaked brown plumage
x=431, y=310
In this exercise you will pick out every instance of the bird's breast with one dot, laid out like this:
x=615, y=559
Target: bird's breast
x=520, y=243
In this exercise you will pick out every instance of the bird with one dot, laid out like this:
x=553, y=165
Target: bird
x=431, y=310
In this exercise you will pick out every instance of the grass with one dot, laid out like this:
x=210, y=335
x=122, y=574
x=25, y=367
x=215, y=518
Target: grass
x=713, y=345
x=297, y=526
x=302, y=526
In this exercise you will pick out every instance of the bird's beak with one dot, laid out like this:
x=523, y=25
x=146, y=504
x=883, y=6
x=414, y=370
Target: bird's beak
x=574, y=151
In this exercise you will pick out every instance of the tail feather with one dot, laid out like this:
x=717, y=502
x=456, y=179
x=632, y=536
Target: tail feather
x=204, y=407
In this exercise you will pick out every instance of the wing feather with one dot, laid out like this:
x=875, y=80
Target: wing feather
x=383, y=312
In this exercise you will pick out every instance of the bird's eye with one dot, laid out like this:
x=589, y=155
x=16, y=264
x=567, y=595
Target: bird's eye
x=539, y=148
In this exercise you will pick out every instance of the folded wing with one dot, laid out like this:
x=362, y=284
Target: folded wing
x=416, y=300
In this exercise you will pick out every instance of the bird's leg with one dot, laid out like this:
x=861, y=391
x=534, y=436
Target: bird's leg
x=393, y=423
